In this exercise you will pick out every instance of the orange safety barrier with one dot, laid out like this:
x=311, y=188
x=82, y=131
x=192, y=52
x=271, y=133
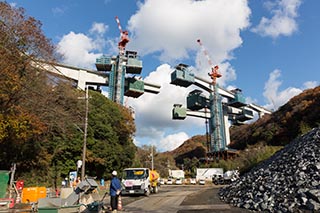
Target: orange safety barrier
x=33, y=194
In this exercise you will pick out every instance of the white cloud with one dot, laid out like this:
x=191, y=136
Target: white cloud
x=81, y=50
x=98, y=28
x=57, y=11
x=283, y=21
x=13, y=4
x=277, y=98
x=154, y=112
x=77, y=49
x=171, y=28
x=310, y=84
x=164, y=143
x=173, y=141
x=156, y=109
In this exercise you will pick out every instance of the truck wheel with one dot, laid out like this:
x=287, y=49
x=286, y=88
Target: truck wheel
x=155, y=189
x=147, y=193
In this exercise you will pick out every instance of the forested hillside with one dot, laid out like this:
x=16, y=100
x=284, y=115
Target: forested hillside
x=298, y=116
x=42, y=116
x=194, y=147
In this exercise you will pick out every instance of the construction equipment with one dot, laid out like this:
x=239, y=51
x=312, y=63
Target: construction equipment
x=124, y=37
x=221, y=107
x=10, y=190
x=140, y=181
x=119, y=73
x=217, y=130
x=81, y=199
x=5, y=202
x=214, y=74
x=126, y=62
x=226, y=178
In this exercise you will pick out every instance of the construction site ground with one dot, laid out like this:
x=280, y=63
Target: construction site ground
x=179, y=199
x=170, y=199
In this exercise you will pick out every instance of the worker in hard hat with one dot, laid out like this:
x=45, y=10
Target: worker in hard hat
x=115, y=190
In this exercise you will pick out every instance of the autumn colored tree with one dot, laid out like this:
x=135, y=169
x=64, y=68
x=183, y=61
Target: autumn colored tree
x=21, y=42
x=42, y=117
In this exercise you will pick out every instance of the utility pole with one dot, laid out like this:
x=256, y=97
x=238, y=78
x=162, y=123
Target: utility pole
x=152, y=163
x=13, y=170
x=84, y=149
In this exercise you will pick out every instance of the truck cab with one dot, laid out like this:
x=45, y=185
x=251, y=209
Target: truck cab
x=139, y=181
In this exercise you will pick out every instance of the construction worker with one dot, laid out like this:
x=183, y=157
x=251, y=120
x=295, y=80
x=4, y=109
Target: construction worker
x=115, y=190
x=76, y=182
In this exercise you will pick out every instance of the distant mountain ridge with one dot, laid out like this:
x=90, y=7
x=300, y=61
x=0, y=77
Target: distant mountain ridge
x=193, y=147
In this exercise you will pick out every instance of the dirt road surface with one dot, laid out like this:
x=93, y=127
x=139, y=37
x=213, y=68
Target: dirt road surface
x=180, y=199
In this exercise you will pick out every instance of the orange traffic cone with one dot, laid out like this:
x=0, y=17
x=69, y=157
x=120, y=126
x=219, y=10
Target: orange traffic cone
x=119, y=203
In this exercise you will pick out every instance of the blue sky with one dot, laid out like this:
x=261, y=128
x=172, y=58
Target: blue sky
x=269, y=49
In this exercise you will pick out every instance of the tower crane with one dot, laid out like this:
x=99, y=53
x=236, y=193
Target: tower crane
x=126, y=62
x=217, y=134
x=116, y=92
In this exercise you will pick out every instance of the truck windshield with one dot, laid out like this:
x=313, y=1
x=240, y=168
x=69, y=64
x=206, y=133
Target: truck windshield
x=135, y=174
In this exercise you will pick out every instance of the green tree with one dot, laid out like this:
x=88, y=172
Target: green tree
x=110, y=144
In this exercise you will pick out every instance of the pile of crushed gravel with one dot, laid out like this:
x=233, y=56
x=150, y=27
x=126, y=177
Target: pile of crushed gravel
x=289, y=181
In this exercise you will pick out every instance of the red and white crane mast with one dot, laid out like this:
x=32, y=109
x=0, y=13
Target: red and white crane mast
x=216, y=123
x=214, y=74
x=124, y=37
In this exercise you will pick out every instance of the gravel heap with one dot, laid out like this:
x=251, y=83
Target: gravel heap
x=289, y=181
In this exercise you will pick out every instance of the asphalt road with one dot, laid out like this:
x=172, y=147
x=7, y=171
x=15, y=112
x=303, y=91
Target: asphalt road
x=179, y=199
